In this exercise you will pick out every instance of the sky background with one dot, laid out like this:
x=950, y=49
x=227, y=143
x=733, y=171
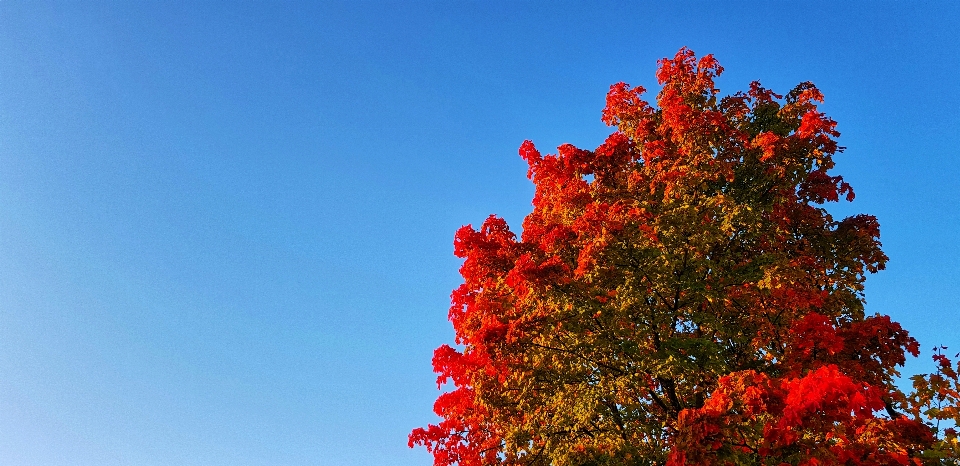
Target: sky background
x=226, y=231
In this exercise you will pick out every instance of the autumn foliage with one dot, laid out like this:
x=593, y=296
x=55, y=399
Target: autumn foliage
x=681, y=296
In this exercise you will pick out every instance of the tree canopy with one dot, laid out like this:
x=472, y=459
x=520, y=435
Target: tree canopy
x=680, y=295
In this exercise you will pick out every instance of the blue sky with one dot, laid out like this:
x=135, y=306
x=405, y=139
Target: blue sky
x=226, y=231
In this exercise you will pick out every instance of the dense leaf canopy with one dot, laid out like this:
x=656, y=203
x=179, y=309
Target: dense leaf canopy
x=681, y=296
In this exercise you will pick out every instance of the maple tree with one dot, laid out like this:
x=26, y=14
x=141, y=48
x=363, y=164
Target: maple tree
x=681, y=296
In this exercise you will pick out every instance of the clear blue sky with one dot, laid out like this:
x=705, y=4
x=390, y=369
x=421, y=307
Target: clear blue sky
x=225, y=231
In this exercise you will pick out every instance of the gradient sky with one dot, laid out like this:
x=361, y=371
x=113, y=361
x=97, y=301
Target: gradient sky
x=226, y=231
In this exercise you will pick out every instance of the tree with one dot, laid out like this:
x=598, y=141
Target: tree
x=680, y=296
